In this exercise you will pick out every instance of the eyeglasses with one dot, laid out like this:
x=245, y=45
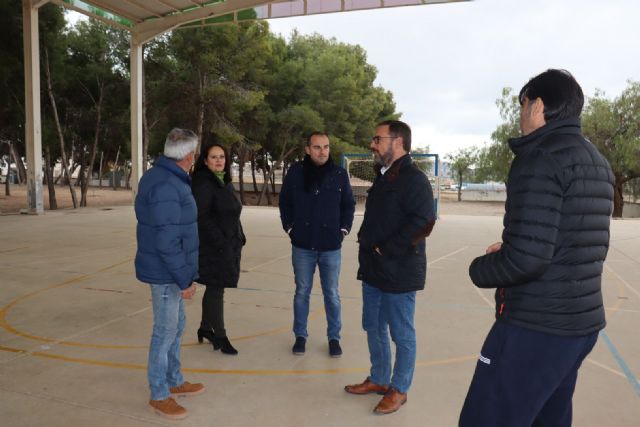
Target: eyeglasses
x=376, y=139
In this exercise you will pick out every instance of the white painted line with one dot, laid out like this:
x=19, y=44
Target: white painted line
x=269, y=262
x=447, y=255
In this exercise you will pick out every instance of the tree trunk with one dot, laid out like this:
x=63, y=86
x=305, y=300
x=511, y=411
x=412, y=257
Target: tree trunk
x=241, y=151
x=7, y=186
x=127, y=174
x=94, y=148
x=272, y=178
x=265, y=186
x=65, y=164
x=83, y=169
x=618, y=200
x=115, y=169
x=146, y=134
x=459, y=187
x=253, y=173
x=202, y=81
x=100, y=170
x=21, y=172
x=48, y=170
x=72, y=171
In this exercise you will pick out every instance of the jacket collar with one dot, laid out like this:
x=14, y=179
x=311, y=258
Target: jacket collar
x=205, y=173
x=171, y=166
x=392, y=173
x=565, y=126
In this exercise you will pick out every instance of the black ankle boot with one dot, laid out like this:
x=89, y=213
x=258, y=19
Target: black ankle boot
x=224, y=345
x=206, y=333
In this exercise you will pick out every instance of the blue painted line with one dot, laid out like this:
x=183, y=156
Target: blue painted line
x=632, y=379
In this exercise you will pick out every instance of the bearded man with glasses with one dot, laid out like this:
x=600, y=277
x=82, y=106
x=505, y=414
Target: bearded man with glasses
x=399, y=215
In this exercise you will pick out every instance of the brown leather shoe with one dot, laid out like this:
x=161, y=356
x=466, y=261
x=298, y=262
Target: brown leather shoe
x=187, y=389
x=168, y=408
x=366, y=387
x=391, y=402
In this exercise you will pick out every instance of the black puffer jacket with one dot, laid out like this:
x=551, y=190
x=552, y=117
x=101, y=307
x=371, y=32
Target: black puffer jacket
x=556, y=234
x=219, y=229
x=398, y=215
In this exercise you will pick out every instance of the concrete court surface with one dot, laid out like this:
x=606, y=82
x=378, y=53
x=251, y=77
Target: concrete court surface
x=75, y=326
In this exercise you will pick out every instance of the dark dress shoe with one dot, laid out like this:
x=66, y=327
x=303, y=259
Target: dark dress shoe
x=224, y=345
x=206, y=333
x=334, y=348
x=299, y=346
x=366, y=387
x=391, y=402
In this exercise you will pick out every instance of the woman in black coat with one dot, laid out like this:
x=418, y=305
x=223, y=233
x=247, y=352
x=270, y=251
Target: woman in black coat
x=221, y=240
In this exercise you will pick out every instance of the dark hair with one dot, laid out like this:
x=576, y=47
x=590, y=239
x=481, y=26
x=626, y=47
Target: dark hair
x=401, y=129
x=204, y=152
x=560, y=92
x=315, y=134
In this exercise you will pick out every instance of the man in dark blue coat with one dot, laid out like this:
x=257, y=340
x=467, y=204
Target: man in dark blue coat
x=547, y=270
x=167, y=259
x=316, y=209
x=398, y=216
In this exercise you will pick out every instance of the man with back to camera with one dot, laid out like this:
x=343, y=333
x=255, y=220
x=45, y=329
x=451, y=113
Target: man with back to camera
x=547, y=270
x=167, y=259
x=399, y=215
x=316, y=210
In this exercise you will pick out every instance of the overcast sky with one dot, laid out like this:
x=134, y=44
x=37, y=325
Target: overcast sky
x=446, y=64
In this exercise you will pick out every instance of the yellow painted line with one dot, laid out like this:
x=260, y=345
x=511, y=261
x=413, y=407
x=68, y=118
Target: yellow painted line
x=226, y=371
x=4, y=324
x=631, y=288
x=425, y=363
x=621, y=294
x=446, y=361
x=11, y=350
x=7, y=308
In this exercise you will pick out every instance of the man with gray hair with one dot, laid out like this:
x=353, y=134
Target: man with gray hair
x=167, y=259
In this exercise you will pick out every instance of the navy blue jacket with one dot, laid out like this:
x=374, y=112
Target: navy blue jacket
x=316, y=217
x=398, y=216
x=556, y=234
x=167, y=231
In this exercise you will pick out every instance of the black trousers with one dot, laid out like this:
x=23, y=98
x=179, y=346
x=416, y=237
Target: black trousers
x=213, y=311
x=524, y=378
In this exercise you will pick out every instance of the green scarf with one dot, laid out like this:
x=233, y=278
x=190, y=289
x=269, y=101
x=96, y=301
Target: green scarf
x=220, y=176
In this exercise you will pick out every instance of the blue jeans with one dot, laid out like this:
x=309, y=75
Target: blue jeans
x=304, y=266
x=524, y=378
x=163, y=369
x=385, y=312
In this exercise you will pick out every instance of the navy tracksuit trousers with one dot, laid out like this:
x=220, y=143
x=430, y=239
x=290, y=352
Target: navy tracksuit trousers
x=524, y=378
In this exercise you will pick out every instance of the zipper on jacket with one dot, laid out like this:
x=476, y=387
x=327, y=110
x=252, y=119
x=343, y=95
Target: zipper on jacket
x=501, y=309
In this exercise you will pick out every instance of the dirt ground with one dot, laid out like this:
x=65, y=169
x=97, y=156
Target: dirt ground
x=108, y=197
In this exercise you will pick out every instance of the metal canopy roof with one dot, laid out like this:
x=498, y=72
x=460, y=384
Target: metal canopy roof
x=148, y=18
